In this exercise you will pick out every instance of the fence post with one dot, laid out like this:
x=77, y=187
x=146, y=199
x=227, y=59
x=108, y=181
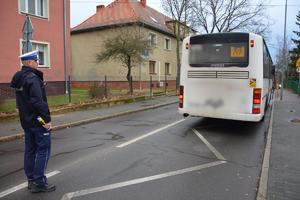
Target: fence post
x=166, y=84
x=177, y=84
x=151, y=86
x=131, y=86
x=105, y=87
x=69, y=88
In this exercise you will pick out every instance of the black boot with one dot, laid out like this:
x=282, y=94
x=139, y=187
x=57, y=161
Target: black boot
x=29, y=186
x=42, y=188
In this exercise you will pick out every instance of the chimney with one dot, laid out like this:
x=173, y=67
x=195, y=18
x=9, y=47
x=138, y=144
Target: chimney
x=99, y=7
x=144, y=2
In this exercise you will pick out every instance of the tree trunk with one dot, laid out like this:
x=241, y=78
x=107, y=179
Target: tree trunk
x=128, y=76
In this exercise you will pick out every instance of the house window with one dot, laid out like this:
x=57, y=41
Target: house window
x=167, y=44
x=152, y=39
x=34, y=7
x=180, y=47
x=145, y=53
x=152, y=67
x=43, y=53
x=43, y=50
x=167, y=69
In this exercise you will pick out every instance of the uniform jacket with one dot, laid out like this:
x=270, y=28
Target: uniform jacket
x=31, y=97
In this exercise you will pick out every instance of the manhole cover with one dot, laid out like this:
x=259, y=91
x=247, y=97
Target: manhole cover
x=295, y=120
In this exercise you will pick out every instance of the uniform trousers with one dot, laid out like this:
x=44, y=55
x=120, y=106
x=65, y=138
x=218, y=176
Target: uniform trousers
x=37, y=153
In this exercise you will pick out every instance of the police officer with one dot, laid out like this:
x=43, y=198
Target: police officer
x=35, y=119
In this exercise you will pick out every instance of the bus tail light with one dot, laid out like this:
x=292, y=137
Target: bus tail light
x=187, y=45
x=256, y=100
x=251, y=43
x=181, y=96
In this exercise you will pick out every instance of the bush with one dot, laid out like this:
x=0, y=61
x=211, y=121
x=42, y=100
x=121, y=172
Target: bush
x=1, y=101
x=97, y=91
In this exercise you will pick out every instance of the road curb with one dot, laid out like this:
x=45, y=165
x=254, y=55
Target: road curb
x=90, y=120
x=263, y=181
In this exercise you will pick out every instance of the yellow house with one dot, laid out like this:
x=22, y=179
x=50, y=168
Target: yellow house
x=124, y=15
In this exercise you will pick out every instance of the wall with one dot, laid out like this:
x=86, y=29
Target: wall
x=45, y=30
x=84, y=47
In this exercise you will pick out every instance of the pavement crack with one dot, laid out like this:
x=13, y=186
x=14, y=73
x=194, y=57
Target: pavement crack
x=241, y=164
x=129, y=167
x=10, y=151
x=113, y=136
x=55, y=155
x=75, y=150
x=142, y=123
x=12, y=172
x=213, y=158
x=164, y=149
x=195, y=155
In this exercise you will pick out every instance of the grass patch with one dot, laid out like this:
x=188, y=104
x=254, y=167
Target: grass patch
x=8, y=106
x=77, y=96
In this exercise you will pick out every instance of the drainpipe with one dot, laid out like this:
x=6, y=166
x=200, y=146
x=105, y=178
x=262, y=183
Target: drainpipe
x=140, y=66
x=158, y=72
x=65, y=45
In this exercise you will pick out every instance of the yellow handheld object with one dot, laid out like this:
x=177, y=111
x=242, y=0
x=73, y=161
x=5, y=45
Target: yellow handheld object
x=41, y=120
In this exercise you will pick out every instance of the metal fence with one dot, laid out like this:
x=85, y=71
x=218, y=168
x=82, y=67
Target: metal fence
x=134, y=85
x=114, y=86
x=294, y=85
x=6, y=92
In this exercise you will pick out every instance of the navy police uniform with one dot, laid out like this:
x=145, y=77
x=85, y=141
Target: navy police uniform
x=32, y=103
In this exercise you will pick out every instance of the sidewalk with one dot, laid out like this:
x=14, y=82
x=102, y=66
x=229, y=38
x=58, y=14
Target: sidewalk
x=284, y=171
x=11, y=129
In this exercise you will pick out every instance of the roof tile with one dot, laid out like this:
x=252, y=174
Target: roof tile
x=125, y=11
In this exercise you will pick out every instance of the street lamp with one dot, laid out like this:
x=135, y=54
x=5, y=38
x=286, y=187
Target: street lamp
x=284, y=69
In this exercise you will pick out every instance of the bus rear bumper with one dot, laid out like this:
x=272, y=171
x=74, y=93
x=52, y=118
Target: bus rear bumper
x=231, y=116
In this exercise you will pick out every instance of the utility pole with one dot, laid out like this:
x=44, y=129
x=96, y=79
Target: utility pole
x=284, y=68
x=65, y=44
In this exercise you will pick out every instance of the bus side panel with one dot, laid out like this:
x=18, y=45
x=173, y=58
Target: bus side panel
x=257, y=59
x=256, y=64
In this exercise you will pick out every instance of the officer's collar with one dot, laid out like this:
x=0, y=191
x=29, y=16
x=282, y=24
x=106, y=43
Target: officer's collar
x=35, y=71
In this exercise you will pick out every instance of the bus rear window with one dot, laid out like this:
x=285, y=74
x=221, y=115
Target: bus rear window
x=225, y=51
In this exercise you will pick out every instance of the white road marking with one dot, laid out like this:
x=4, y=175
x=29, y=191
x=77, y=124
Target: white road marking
x=263, y=181
x=23, y=185
x=211, y=147
x=149, y=134
x=79, y=193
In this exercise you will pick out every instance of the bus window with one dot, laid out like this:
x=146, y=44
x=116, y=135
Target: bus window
x=207, y=52
x=267, y=63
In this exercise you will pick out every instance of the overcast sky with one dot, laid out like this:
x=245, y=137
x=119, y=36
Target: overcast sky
x=82, y=9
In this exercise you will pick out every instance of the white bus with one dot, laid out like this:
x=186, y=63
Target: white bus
x=226, y=76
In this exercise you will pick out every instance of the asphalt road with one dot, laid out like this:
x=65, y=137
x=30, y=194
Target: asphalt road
x=175, y=159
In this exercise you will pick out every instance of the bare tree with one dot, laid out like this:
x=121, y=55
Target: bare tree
x=230, y=15
x=281, y=54
x=179, y=11
x=126, y=47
